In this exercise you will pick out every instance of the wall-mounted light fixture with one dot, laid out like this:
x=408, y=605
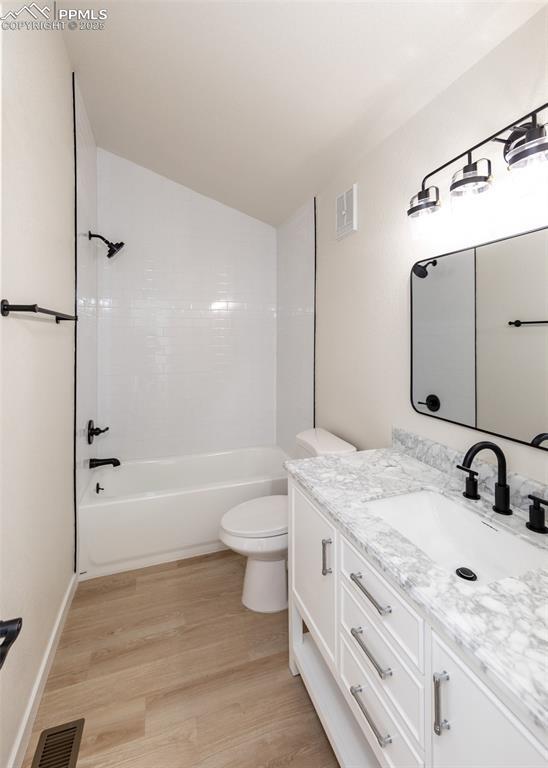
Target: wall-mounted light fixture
x=424, y=202
x=113, y=248
x=473, y=179
x=526, y=144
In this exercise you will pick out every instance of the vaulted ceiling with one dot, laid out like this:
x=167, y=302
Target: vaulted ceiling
x=253, y=103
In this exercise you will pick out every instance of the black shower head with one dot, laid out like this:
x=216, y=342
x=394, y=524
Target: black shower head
x=421, y=270
x=113, y=248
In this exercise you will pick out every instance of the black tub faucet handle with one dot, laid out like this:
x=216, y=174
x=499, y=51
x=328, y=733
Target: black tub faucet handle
x=94, y=431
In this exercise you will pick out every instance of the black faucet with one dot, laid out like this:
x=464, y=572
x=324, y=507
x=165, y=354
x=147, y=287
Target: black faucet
x=502, y=489
x=536, y=441
x=94, y=463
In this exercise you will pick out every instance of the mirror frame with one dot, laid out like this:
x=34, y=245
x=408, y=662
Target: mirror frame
x=442, y=256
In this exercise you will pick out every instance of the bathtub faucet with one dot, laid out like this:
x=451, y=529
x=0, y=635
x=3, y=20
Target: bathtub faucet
x=94, y=463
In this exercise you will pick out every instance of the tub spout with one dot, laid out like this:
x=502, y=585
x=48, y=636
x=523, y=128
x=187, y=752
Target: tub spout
x=94, y=463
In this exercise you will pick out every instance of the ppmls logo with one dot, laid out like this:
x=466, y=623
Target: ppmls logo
x=33, y=10
x=32, y=16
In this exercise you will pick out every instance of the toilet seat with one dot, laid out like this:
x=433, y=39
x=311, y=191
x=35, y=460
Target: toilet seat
x=261, y=518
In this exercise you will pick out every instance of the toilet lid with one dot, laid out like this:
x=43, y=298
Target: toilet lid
x=257, y=519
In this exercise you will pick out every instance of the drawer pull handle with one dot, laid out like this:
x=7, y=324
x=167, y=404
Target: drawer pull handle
x=382, y=609
x=440, y=724
x=325, y=569
x=383, y=741
x=383, y=673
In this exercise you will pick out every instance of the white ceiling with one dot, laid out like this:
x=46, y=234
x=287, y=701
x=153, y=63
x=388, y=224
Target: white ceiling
x=254, y=103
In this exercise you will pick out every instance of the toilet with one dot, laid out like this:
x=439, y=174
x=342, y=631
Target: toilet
x=257, y=529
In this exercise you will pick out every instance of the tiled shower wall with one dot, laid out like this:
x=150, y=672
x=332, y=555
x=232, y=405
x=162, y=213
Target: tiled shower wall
x=186, y=319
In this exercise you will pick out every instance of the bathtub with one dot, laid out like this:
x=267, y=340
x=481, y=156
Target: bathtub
x=166, y=509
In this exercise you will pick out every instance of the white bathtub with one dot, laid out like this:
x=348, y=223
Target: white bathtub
x=154, y=511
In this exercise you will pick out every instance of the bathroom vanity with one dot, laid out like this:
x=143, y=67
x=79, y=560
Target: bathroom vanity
x=406, y=663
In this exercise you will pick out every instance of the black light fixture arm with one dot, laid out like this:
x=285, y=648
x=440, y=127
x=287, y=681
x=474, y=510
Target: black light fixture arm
x=494, y=137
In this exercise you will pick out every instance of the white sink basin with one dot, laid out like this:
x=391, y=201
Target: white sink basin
x=454, y=536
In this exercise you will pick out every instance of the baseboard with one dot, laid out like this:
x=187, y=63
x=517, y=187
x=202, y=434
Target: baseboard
x=23, y=736
x=149, y=560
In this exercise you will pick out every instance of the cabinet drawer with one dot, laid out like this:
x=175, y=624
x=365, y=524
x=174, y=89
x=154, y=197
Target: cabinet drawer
x=384, y=606
x=396, y=681
x=374, y=718
x=471, y=726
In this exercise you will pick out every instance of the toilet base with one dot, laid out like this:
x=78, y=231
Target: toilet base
x=265, y=585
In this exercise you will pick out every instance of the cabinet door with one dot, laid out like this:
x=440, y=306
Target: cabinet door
x=313, y=571
x=475, y=730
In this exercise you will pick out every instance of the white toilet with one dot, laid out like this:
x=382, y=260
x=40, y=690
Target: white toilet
x=258, y=530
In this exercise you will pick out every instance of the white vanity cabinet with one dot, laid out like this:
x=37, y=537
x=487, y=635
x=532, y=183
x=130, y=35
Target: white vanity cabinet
x=313, y=575
x=472, y=727
x=389, y=691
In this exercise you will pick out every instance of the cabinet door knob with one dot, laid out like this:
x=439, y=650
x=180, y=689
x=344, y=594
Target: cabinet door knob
x=325, y=569
x=440, y=724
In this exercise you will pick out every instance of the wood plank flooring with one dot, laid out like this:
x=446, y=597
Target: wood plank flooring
x=171, y=671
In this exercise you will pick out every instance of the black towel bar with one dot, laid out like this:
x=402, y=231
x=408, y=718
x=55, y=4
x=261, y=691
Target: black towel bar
x=6, y=308
x=518, y=323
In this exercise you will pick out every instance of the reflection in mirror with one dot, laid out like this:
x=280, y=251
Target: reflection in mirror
x=512, y=360
x=480, y=337
x=443, y=338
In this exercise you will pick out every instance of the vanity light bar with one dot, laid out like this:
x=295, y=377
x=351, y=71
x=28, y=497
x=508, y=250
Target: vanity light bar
x=527, y=142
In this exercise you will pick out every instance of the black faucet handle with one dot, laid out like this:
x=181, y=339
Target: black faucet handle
x=471, y=491
x=471, y=472
x=537, y=515
x=537, y=501
x=94, y=431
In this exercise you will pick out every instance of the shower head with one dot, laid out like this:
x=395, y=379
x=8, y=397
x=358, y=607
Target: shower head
x=421, y=270
x=113, y=248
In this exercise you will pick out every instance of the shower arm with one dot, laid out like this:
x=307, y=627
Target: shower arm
x=105, y=241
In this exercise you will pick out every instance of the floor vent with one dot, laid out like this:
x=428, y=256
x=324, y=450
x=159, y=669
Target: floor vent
x=58, y=747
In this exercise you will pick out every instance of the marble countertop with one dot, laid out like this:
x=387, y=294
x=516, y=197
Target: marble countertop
x=503, y=625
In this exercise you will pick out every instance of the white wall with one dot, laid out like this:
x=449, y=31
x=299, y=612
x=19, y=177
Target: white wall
x=363, y=280
x=187, y=319
x=36, y=558
x=87, y=255
x=295, y=359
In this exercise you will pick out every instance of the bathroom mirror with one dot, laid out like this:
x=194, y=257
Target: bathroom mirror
x=479, y=337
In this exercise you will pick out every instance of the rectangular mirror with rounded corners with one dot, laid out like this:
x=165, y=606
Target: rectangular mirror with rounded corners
x=479, y=337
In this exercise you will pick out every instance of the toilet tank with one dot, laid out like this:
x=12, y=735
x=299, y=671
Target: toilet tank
x=320, y=442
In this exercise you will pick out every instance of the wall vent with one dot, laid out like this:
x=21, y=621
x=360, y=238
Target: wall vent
x=347, y=212
x=58, y=747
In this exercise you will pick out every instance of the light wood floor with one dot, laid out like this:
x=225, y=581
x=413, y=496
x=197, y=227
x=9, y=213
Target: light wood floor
x=171, y=671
